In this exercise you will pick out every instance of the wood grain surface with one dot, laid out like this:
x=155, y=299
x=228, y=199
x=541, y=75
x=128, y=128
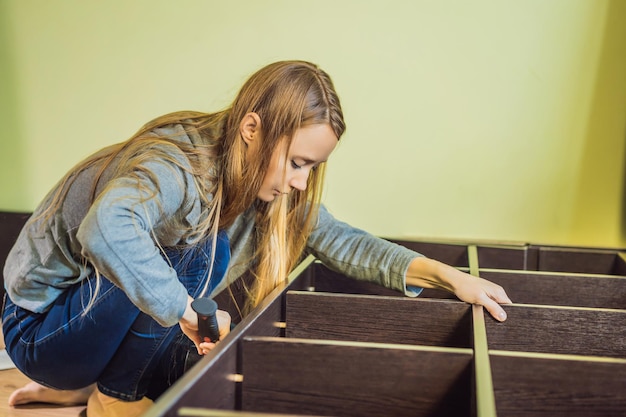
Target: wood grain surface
x=354, y=379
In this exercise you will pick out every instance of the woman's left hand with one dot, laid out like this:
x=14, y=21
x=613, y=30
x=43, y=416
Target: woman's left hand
x=475, y=290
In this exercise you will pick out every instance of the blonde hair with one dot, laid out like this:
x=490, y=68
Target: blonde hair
x=286, y=95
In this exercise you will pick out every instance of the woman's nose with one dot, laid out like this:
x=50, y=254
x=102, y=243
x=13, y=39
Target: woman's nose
x=299, y=180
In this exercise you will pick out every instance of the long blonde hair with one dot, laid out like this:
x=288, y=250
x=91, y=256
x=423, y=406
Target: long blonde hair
x=286, y=95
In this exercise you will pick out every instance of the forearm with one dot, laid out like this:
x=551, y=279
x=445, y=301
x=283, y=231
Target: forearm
x=358, y=254
x=189, y=318
x=428, y=273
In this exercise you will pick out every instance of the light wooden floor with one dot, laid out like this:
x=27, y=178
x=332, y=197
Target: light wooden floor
x=12, y=379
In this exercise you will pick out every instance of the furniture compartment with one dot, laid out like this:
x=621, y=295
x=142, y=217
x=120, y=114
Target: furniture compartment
x=535, y=386
x=588, y=332
x=503, y=257
x=213, y=382
x=354, y=379
x=561, y=289
x=323, y=279
x=454, y=254
x=561, y=352
x=581, y=260
x=364, y=318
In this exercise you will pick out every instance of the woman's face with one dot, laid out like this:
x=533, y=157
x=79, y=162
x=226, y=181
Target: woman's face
x=290, y=168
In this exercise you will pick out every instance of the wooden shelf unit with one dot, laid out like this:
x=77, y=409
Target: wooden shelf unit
x=325, y=344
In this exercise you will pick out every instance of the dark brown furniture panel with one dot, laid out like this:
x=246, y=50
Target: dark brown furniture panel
x=552, y=387
x=323, y=279
x=11, y=224
x=364, y=318
x=561, y=289
x=213, y=382
x=352, y=379
x=327, y=344
x=503, y=257
x=583, y=260
x=589, y=332
x=212, y=412
x=454, y=254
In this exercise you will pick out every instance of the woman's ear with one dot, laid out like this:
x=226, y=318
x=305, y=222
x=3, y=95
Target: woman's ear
x=250, y=127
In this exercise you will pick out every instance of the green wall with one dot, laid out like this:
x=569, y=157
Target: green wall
x=13, y=175
x=483, y=119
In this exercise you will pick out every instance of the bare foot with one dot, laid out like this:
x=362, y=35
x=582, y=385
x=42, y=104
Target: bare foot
x=36, y=393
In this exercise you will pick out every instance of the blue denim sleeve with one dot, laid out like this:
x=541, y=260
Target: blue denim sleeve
x=117, y=237
x=358, y=254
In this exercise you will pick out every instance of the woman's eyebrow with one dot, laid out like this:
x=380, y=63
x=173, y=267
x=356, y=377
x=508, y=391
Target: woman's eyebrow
x=308, y=161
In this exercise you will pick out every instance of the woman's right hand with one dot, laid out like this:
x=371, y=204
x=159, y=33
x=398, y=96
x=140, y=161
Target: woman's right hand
x=189, y=325
x=223, y=322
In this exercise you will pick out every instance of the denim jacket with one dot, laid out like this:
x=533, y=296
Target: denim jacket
x=118, y=233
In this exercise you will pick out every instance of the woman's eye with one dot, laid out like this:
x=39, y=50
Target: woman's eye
x=294, y=165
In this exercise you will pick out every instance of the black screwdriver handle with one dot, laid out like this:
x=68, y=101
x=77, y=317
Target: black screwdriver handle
x=207, y=322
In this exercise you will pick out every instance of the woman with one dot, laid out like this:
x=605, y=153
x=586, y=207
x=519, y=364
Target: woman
x=111, y=260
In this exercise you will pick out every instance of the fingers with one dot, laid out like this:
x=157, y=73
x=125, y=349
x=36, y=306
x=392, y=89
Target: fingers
x=223, y=322
x=495, y=309
x=206, y=346
x=500, y=296
x=494, y=296
x=485, y=293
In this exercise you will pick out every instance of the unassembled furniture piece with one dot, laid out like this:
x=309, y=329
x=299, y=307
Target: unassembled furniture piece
x=10, y=225
x=325, y=344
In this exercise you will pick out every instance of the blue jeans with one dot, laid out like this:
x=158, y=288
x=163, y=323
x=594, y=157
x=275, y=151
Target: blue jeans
x=126, y=352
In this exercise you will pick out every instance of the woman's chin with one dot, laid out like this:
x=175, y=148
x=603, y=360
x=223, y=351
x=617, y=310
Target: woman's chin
x=267, y=197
